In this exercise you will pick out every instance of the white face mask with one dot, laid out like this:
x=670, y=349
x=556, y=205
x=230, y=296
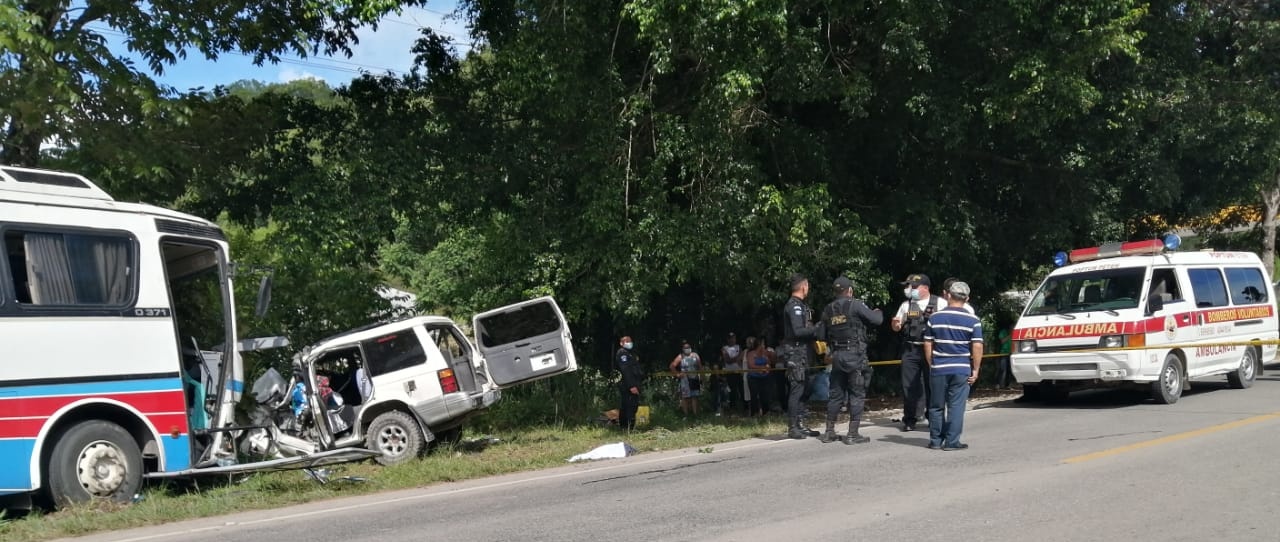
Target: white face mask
x=911, y=293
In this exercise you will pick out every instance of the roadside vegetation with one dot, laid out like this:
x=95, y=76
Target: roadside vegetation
x=479, y=455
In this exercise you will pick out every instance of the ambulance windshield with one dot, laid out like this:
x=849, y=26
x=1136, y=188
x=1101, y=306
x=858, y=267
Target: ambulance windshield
x=1097, y=290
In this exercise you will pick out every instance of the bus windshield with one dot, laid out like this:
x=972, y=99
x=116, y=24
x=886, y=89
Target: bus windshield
x=1102, y=290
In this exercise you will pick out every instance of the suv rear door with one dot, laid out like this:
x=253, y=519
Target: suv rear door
x=524, y=342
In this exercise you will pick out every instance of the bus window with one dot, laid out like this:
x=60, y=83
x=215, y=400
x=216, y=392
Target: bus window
x=70, y=269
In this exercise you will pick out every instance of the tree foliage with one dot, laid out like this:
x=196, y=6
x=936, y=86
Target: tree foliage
x=661, y=166
x=58, y=71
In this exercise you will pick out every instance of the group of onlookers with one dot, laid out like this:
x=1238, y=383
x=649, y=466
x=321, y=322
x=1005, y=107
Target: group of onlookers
x=941, y=359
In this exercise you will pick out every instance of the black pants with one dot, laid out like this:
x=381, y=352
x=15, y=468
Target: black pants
x=797, y=358
x=627, y=412
x=761, y=392
x=915, y=383
x=735, y=391
x=848, y=388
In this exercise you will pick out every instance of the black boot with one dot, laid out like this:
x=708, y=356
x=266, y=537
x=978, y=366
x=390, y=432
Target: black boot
x=804, y=426
x=793, y=429
x=853, y=437
x=830, y=436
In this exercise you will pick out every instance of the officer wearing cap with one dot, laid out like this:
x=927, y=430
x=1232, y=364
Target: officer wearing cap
x=797, y=350
x=844, y=327
x=910, y=321
x=629, y=385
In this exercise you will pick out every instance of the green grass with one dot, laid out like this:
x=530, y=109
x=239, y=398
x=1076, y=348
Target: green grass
x=529, y=449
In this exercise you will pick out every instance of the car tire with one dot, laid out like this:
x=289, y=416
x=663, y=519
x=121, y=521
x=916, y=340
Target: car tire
x=94, y=459
x=1168, y=386
x=1247, y=372
x=396, y=435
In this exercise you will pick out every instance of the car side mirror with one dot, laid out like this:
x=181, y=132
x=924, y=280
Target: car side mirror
x=1155, y=303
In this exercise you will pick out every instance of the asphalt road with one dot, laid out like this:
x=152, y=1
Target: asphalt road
x=1109, y=465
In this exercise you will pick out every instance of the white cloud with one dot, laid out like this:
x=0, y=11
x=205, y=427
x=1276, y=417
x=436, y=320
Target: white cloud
x=290, y=74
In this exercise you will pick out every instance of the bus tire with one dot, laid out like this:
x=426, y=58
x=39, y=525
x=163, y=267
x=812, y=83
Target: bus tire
x=94, y=459
x=396, y=435
x=1168, y=386
x=1245, y=374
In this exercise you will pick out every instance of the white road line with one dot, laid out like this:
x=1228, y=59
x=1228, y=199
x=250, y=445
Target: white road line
x=437, y=493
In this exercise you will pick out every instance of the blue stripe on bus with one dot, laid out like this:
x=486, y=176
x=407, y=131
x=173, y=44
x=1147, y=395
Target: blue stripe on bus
x=15, y=455
x=93, y=388
x=237, y=386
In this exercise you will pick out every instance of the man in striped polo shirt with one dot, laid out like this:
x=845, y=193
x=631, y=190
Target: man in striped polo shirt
x=953, y=351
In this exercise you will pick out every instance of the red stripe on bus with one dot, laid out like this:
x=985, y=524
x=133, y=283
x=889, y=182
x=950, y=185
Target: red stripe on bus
x=144, y=402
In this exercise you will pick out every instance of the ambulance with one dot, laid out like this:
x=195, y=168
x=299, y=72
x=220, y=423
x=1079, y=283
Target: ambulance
x=1142, y=314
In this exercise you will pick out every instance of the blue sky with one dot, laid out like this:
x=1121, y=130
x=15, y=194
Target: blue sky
x=386, y=48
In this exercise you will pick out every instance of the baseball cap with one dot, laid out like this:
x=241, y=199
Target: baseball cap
x=843, y=283
x=917, y=279
x=959, y=289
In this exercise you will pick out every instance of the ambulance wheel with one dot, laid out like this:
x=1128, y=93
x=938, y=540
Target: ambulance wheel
x=395, y=434
x=1168, y=387
x=1245, y=374
x=94, y=459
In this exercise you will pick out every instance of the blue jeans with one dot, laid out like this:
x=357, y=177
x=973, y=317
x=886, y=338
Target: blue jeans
x=946, y=408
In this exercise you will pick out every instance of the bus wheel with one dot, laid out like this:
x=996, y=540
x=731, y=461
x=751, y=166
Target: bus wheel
x=1244, y=375
x=1168, y=387
x=396, y=435
x=95, y=460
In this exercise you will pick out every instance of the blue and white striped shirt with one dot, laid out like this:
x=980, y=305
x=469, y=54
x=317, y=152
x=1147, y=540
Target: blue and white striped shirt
x=953, y=332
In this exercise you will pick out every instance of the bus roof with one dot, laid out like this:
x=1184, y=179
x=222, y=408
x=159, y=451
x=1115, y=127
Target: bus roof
x=59, y=188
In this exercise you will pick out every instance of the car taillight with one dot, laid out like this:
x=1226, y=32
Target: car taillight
x=448, y=382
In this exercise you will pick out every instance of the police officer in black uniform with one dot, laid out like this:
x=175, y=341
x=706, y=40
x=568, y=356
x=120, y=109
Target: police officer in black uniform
x=844, y=327
x=910, y=321
x=629, y=386
x=798, y=335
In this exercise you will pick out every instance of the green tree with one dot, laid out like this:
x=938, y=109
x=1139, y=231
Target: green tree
x=57, y=71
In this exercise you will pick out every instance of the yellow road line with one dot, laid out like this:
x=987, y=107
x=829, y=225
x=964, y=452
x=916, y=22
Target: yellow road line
x=1171, y=438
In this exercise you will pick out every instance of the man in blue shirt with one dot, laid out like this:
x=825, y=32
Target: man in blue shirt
x=953, y=351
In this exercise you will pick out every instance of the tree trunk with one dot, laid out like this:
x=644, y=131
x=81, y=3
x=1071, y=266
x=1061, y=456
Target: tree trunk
x=1270, y=205
x=21, y=144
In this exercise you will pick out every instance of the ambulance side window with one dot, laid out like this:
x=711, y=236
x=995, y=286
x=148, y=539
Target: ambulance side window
x=1207, y=286
x=1247, y=285
x=1164, y=283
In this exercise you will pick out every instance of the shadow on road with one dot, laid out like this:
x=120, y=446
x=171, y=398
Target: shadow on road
x=901, y=438
x=1105, y=398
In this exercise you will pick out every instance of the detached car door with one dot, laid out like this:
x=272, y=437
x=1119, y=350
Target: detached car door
x=524, y=342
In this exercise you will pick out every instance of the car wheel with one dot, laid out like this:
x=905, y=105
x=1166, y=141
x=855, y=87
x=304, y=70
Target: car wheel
x=1247, y=372
x=396, y=436
x=94, y=460
x=1168, y=387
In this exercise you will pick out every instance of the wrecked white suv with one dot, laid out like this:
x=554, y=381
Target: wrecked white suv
x=395, y=387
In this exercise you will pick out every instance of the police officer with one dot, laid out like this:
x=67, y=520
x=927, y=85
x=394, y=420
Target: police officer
x=629, y=385
x=797, y=351
x=844, y=328
x=910, y=321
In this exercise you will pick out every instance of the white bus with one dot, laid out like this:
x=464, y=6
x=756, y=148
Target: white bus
x=107, y=313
